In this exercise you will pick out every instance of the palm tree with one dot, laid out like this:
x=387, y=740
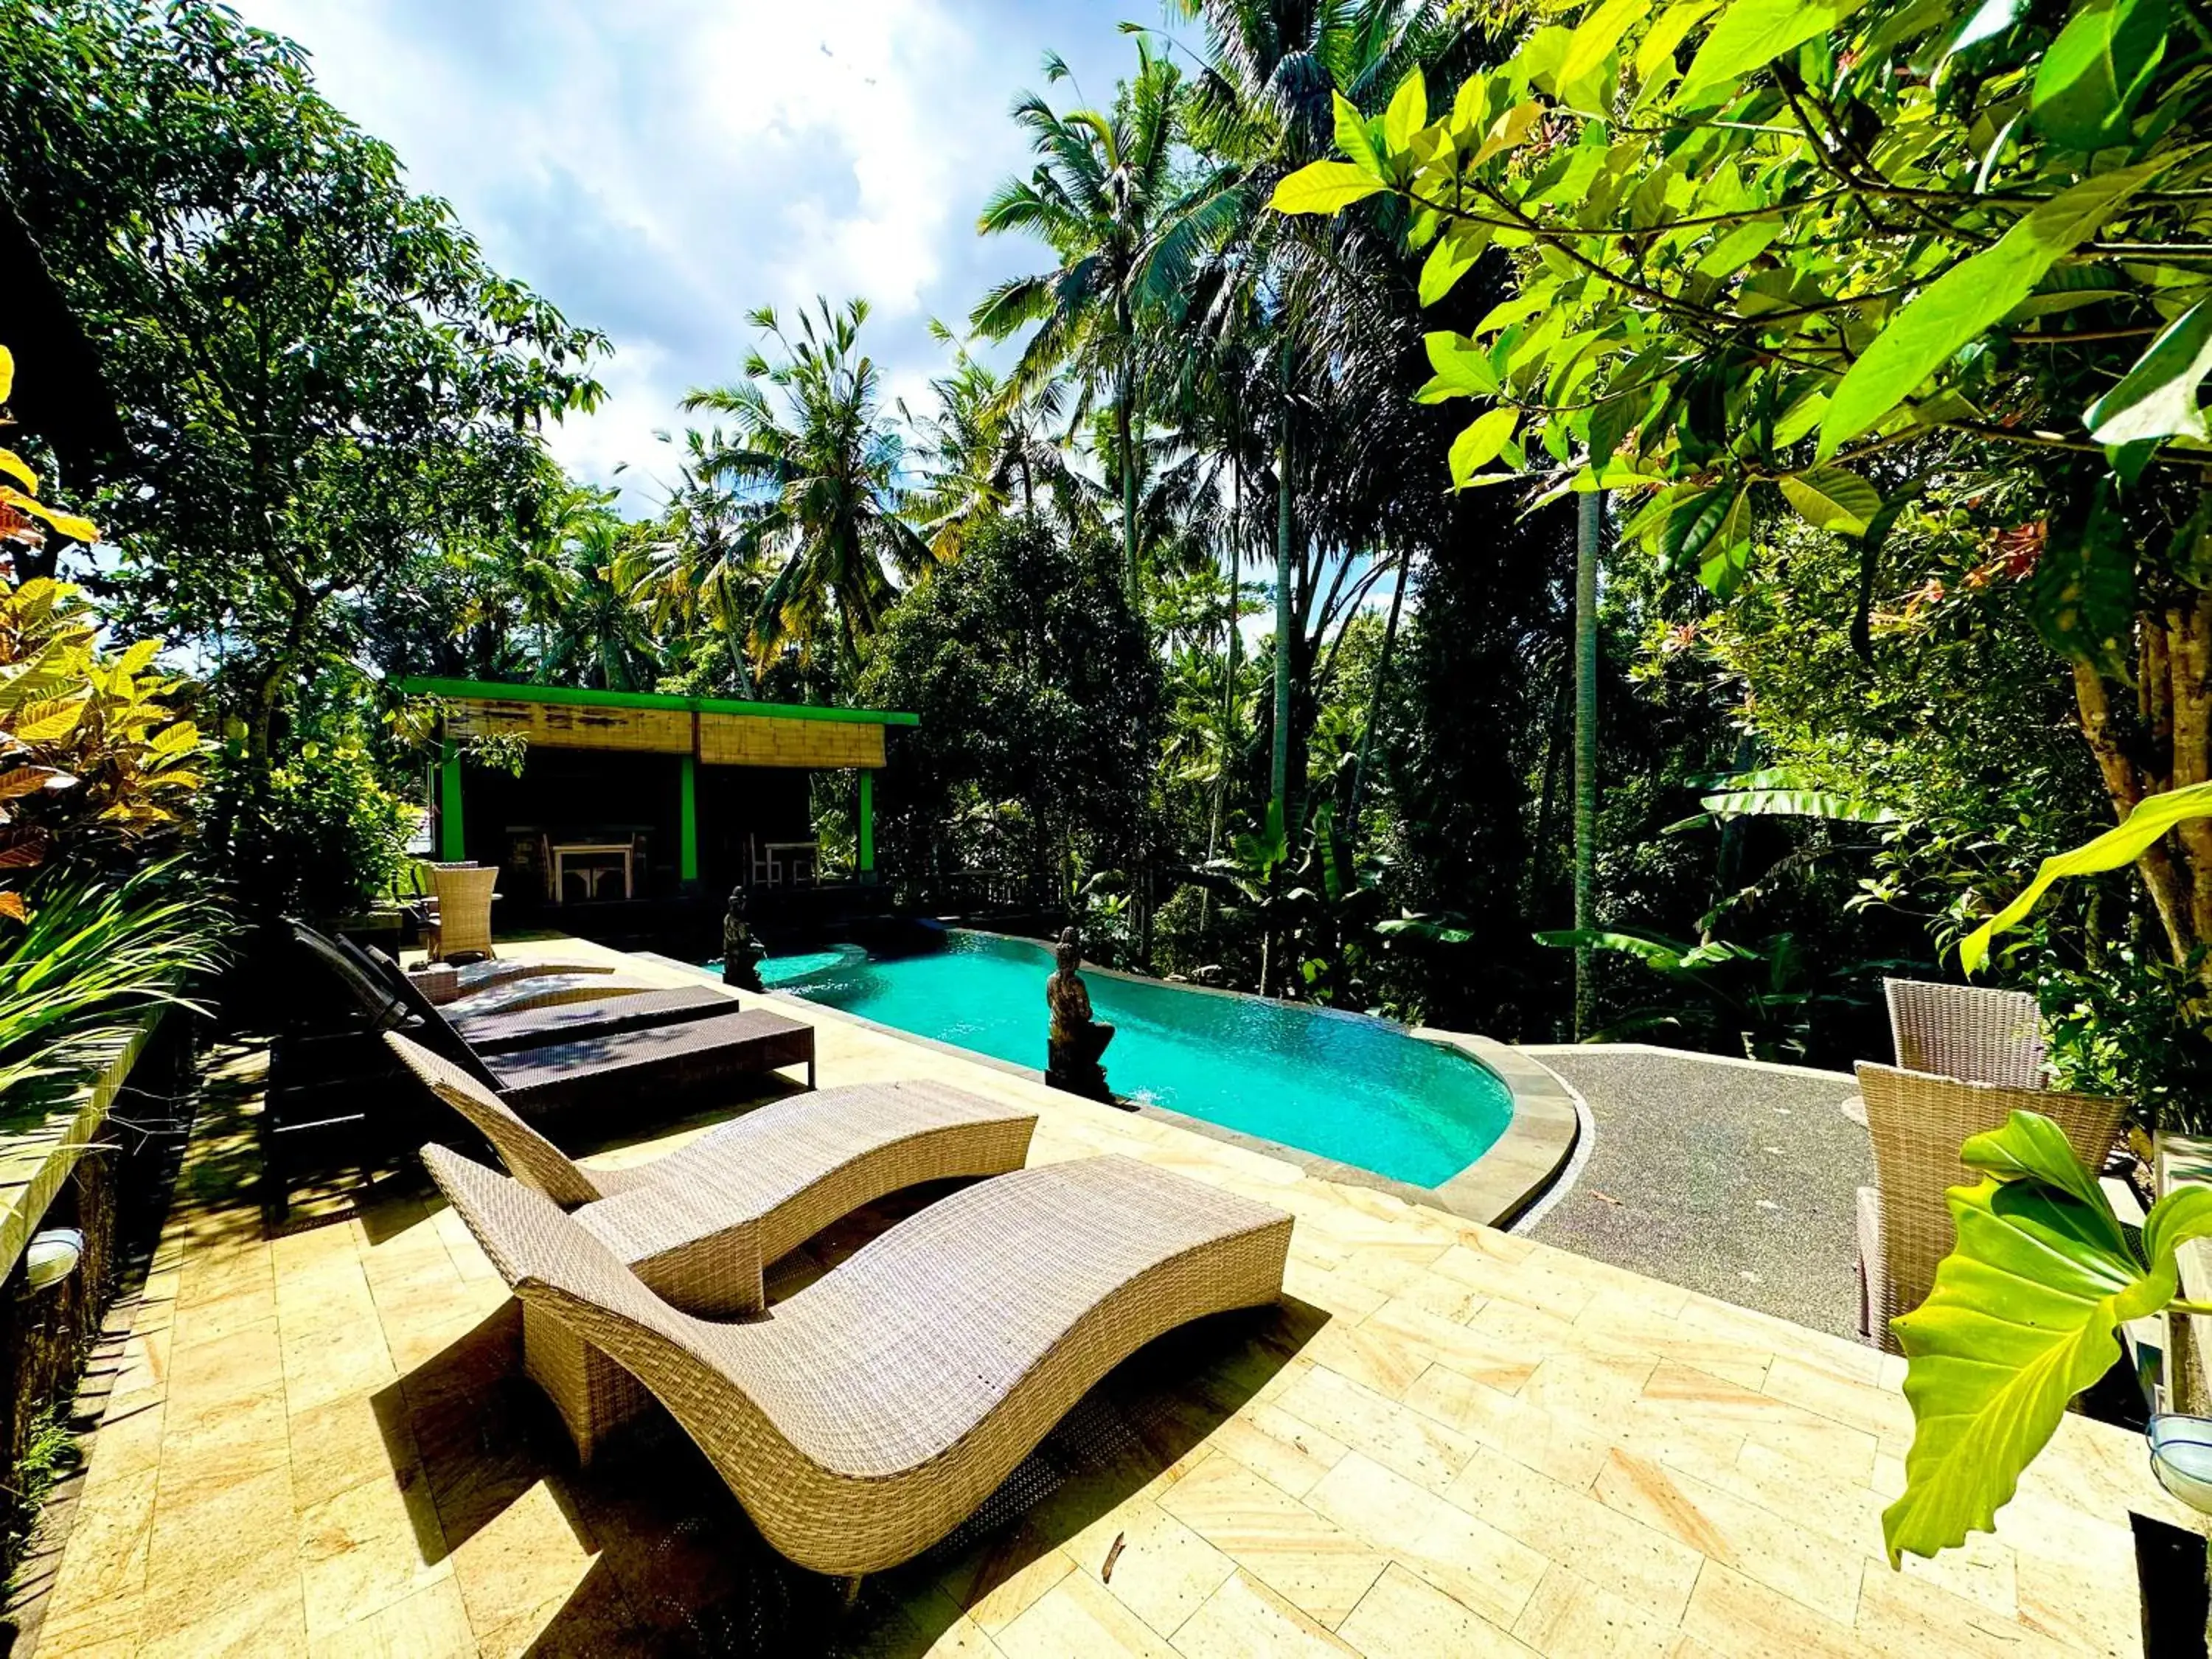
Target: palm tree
x=816, y=476
x=701, y=562
x=590, y=629
x=987, y=448
x=1104, y=197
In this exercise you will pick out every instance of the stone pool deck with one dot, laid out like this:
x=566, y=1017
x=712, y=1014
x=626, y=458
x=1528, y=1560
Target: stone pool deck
x=1447, y=1440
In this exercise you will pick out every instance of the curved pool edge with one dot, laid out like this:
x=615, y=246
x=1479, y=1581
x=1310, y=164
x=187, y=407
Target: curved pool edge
x=1521, y=1165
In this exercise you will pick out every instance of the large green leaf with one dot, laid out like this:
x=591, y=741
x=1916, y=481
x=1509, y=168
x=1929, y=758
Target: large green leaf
x=1751, y=34
x=1352, y=136
x=1324, y=187
x=2122, y=845
x=2094, y=71
x=2022, y=1318
x=1796, y=804
x=1592, y=43
x=1832, y=498
x=1662, y=954
x=1408, y=114
x=1970, y=297
x=1477, y=446
x=2158, y=398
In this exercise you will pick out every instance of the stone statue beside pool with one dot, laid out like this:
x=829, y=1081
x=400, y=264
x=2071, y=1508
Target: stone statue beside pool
x=741, y=952
x=1077, y=1039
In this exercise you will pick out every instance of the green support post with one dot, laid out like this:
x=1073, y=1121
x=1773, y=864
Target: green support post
x=686, y=835
x=453, y=845
x=867, y=825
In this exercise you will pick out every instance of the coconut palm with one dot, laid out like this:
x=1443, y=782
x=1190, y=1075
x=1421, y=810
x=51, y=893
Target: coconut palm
x=701, y=562
x=1106, y=199
x=815, y=471
x=989, y=447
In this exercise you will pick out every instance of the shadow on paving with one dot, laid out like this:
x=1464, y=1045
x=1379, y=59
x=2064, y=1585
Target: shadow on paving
x=1733, y=1179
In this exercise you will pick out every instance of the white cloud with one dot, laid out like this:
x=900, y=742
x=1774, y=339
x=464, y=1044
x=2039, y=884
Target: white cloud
x=659, y=167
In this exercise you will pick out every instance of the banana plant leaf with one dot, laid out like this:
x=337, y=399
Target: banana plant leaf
x=2124, y=844
x=2023, y=1318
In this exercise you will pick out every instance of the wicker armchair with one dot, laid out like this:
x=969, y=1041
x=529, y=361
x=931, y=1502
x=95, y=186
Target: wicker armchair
x=464, y=922
x=1919, y=1121
x=1967, y=1031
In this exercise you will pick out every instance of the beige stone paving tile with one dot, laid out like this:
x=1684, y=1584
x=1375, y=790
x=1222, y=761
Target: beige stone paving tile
x=520, y=1559
x=142, y=1372
x=1852, y=1360
x=1983, y=1570
x=1862, y=1406
x=1318, y=1566
x=1395, y=1436
x=1379, y=1359
x=1163, y=1572
x=226, y=1442
x=267, y=1623
x=373, y=1544
x=1622, y=1317
x=1841, y=1453
x=928, y=1624
x=1468, y=1352
x=1646, y=1567
x=203, y=1541
x=1599, y=1387
x=297, y=1252
x=595, y=1620
x=1569, y=1449
x=1535, y=1282
x=2081, y=1603
x=430, y=1624
x=93, y=1630
x=1570, y=1618
x=1461, y=1554
x=210, y=1275
x=128, y=1442
x=204, y=1322
x=1730, y=1614
x=2102, y=1471
x=1337, y=1293
x=1404, y=1617
x=1603, y=1278
x=334, y=1291
x=1290, y=1453
x=1001, y=1578
x=324, y=1362
x=1755, y=1541
x=338, y=1443
x=108, y=1540
x=1447, y=1298
x=1899, y=1615
x=1079, y=1615
x=1245, y=1620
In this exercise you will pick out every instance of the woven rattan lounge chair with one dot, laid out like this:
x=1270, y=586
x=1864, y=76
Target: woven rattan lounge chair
x=699, y=1226
x=872, y=1412
x=1919, y=1121
x=1967, y=1031
x=464, y=893
x=473, y=977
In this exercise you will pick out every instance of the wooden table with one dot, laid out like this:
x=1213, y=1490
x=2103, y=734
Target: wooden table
x=593, y=874
x=781, y=873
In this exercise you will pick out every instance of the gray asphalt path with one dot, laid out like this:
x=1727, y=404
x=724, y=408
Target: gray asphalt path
x=1736, y=1181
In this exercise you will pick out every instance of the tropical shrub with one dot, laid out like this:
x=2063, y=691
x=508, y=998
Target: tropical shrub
x=317, y=834
x=94, y=765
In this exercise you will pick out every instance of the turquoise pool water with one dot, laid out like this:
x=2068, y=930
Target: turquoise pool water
x=1341, y=1086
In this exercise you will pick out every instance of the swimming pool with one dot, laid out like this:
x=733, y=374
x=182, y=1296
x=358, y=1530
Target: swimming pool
x=1343, y=1086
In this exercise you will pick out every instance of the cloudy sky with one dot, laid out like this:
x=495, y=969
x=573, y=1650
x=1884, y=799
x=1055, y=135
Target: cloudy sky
x=659, y=167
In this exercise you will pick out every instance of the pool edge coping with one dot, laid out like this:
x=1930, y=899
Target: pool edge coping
x=1509, y=1175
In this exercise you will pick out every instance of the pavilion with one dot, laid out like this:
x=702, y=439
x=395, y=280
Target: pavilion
x=638, y=797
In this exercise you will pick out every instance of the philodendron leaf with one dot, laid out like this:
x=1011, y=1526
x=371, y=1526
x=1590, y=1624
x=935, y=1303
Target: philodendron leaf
x=1971, y=297
x=2158, y=398
x=1324, y=187
x=2021, y=1319
x=2120, y=846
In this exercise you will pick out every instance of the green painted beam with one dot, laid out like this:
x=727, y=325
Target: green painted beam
x=867, y=822
x=687, y=837
x=420, y=685
x=453, y=845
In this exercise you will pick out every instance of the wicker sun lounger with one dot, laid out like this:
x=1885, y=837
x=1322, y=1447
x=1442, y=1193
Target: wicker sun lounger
x=1919, y=1121
x=880, y=1406
x=505, y=970
x=700, y=1226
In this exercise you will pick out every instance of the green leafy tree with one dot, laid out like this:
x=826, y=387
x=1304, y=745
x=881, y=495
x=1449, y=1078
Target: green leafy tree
x=318, y=372
x=816, y=470
x=1774, y=260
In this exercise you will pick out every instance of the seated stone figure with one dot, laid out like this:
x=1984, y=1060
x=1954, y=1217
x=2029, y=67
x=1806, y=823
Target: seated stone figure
x=1077, y=1039
x=741, y=952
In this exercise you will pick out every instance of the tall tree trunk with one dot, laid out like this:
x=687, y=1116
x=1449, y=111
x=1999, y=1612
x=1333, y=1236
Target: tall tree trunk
x=1588, y=531
x=1228, y=684
x=1123, y=416
x=1375, y=696
x=1279, y=771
